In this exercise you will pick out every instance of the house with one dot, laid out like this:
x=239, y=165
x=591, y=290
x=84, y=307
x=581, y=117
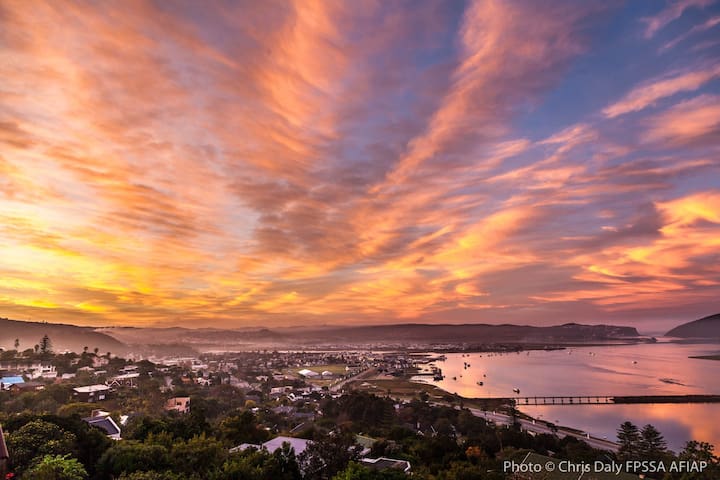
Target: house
x=44, y=371
x=91, y=393
x=381, y=463
x=124, y=380
x=366, y=443
x=6, y=382
x=308, y=373
x=205, y=382
x=104, y=422
x=178, y=404
x=297, y=444
x=26, y=387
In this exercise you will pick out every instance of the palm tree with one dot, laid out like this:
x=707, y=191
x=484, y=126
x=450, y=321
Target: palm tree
x=17, y=343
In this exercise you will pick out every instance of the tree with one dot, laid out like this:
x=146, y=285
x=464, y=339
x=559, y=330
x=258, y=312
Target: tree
x=199, y=454
x=328, y=455
x=151, y=475
x=629, y=438
x=96, y=350
x=38, y=438
x=129, y=456
x=57, y=467
x=17, y=344
x=242, y=428
x=355, y=471
x=45, y=345
x=701, y=452
x=652, y=444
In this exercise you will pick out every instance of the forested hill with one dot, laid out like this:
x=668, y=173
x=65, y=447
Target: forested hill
x=63, y=337
x=706, y=327
x=480, y=333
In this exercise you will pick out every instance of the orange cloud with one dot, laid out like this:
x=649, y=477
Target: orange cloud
x=648, y=94
x=691, y=121
x=301, y=161
x=670, y=13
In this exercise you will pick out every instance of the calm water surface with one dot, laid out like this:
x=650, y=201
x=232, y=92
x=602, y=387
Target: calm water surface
x=662, y=368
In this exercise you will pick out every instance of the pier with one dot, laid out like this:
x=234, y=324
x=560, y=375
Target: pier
x=604, y=399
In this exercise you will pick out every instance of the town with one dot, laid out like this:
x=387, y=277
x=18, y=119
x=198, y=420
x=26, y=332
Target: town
x=261, y=414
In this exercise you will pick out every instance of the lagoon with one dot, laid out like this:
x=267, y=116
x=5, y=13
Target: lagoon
x=662, y=368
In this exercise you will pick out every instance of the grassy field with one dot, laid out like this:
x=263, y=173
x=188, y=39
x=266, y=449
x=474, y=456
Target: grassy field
x=398, y=387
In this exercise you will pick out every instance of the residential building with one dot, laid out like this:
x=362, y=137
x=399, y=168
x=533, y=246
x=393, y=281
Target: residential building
x=91, y=393
x=178, y=404
x=382, y=463
x=297, y=444
x=7, y=382
x=104, y=422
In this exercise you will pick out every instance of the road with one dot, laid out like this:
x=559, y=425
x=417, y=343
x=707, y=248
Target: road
x=536, y=426
x=359, y=376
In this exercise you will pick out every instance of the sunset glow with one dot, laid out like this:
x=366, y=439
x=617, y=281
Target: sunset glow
x=318, y=162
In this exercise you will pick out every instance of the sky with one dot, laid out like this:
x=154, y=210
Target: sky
x=305, y=162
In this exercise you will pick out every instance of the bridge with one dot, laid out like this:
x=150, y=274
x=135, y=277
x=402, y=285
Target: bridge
x=603, y=399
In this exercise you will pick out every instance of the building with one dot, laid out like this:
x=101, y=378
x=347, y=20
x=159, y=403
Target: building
x=104, y=422
x=381, y=463
x=7, y=382
x=178, y=404
x=26, y=387
x=48, y=372
x=308, y=373
x=91, y=393
x=124, y=380
x=297, y=444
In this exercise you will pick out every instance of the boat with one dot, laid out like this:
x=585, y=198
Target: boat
x=480, y=383
x=516, y=390
x=454, y=378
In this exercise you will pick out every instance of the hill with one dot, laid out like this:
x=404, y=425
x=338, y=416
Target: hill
x=706, y=327
x=63, y=337
x=416, y=334
x=474, y=333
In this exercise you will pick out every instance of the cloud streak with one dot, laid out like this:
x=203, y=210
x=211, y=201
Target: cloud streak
x=299, y=162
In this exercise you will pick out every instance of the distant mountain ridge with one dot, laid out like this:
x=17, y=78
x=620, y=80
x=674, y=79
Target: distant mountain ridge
x=706, y=327
x=179, y=340
x=479, y=333
x=415, y=333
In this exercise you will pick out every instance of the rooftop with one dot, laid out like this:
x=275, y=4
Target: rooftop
x=92, y=388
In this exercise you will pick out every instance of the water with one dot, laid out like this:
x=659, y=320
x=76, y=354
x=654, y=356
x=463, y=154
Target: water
x=607, y=370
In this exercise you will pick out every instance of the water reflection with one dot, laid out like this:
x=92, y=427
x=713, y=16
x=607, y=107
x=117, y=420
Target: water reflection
x=649, y=369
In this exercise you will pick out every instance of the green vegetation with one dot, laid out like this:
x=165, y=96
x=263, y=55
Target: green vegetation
x=435, y=432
